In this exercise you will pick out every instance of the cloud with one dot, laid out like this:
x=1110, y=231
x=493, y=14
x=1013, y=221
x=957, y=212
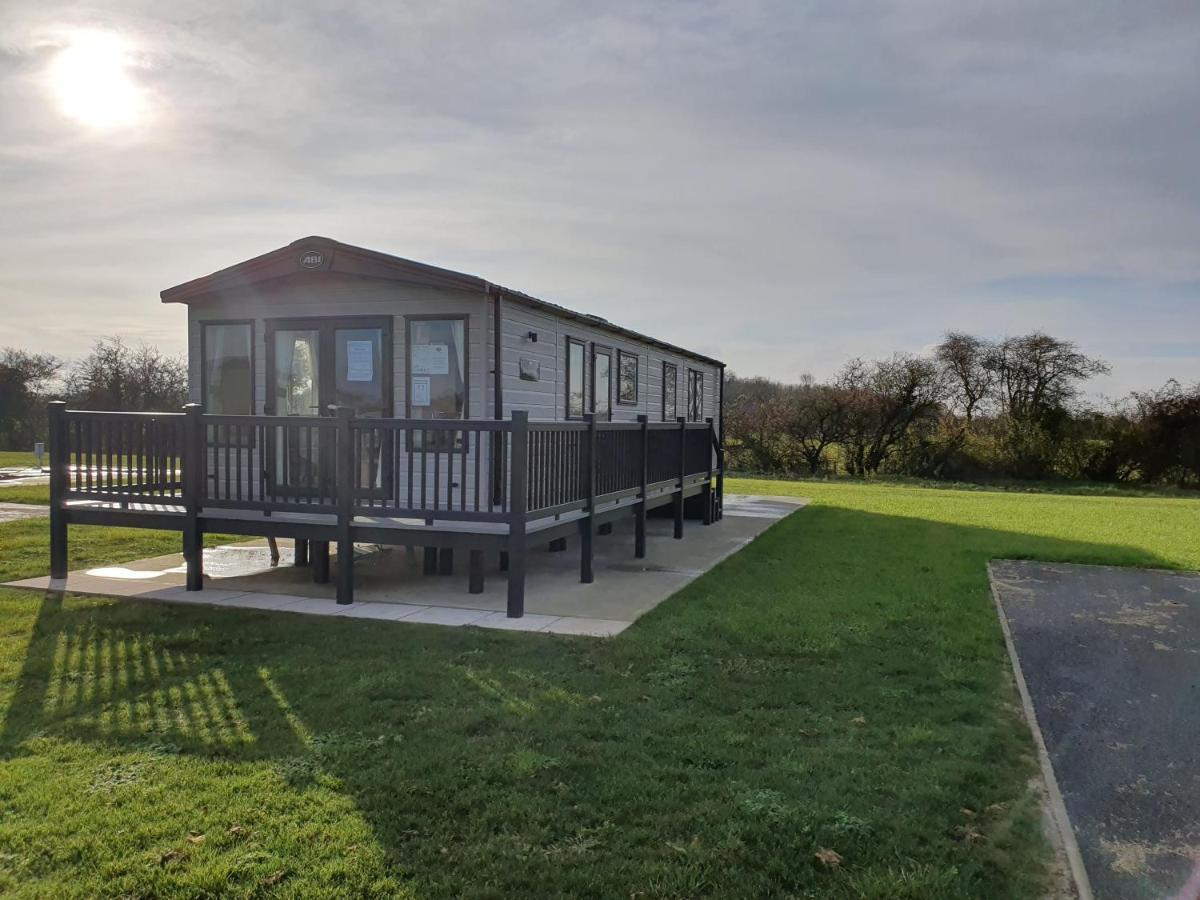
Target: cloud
x=782, y=186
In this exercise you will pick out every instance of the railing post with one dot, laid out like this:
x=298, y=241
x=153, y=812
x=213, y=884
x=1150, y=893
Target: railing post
x=719, y=501
x=194, y=465
x=587, y=524
x=708, y=489
x=60, y=461
x=344, y=491
x=682, y=477
x=639, y=515
x=519, y=485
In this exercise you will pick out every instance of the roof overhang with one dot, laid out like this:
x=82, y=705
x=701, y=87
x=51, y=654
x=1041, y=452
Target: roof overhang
x=317, y=256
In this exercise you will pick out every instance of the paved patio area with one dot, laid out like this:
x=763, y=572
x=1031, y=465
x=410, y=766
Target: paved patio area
x=11, y=512
x=389, y=584
x=1110, y=660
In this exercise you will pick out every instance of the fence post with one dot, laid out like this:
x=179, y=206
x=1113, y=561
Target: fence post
x=60, y=461
x=719, y=501
x=519, y=485
x=708, y=487
x=344, y=487
x=194, y=466
x=682, y=476
x=587, y=524
x=639, y=514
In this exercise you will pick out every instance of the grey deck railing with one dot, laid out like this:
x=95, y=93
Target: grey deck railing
x=508, y=472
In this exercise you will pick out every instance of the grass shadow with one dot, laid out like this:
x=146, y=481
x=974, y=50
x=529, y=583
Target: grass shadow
x=839, y=684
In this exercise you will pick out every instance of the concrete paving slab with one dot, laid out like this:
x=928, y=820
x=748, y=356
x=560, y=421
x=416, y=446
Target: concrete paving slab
x=386, y=611
x=586, y=626
x=14, y=512
x=527, y=622
x=1110, y=659
x=255, y=601
x=446, y=615
x=624, y=589
x=183, y=595
x=315, y=606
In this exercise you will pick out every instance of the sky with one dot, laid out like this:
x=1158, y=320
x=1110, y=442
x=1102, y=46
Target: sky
x=782, y=185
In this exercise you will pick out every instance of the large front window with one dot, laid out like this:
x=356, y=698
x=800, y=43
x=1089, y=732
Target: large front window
x=228, y=375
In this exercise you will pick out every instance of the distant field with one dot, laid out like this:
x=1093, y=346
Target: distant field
x=19, y=458
x=839, y=685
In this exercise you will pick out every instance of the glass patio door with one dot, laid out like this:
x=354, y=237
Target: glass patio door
x=315, y=365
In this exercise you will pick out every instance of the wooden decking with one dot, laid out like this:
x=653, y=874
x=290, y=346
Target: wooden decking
x=479, y=486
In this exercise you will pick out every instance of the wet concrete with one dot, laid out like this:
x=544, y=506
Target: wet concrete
x=1111, y=658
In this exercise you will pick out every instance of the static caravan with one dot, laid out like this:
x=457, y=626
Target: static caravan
x=341, y=394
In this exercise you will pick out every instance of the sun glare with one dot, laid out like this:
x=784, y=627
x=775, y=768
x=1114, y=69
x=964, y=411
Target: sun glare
x=91, y=81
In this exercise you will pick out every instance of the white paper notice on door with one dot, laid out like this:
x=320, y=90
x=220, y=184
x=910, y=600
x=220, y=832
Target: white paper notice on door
x=431, y=359
x=419, y=396
x=360, y=360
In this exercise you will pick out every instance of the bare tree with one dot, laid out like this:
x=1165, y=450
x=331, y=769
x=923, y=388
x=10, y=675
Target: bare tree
x=117, y=376
x=970, y=381
x=884, y=399
x=816, y=421
x=1039, y=376
x=1169, y=428
x=755, y=416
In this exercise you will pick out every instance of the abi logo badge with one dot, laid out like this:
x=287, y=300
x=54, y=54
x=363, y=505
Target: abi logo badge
x=311, y=259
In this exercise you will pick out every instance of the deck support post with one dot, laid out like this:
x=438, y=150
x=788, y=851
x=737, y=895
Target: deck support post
x=720, y=499
x=682, y=476
x=445, y=563
x=587, y=526
x=517, y=541
x=639, y=514
x=59, y=480
x=194, y=465
x=300, y=554
x=475, y=572
x=503, y=560
x=319, y=550
x=429, y=563
x=708, y=485
x=558, y=545
x=345, y=505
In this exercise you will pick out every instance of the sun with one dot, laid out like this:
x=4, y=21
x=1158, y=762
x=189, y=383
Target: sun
x=91, y=81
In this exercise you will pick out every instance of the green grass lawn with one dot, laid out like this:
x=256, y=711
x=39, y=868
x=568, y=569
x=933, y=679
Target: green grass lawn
x=38, y=494
x=24, y=493
x=841, y=684
x=20, y=458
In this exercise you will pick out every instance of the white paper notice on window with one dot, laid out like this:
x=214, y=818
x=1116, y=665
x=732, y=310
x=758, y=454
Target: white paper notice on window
x=431, y=359
x=360, y=360
x=419, y=394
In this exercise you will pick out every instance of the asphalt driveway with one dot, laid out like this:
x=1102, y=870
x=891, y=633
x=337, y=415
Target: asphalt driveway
x=1111, y=659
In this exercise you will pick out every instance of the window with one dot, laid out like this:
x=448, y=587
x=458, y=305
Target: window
x=437, y=368
x=601, y=382
x=627, y=377
x=437, y=373
x=575, y=355
x=670, y=408
x=695, y=396
x=227, y=376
